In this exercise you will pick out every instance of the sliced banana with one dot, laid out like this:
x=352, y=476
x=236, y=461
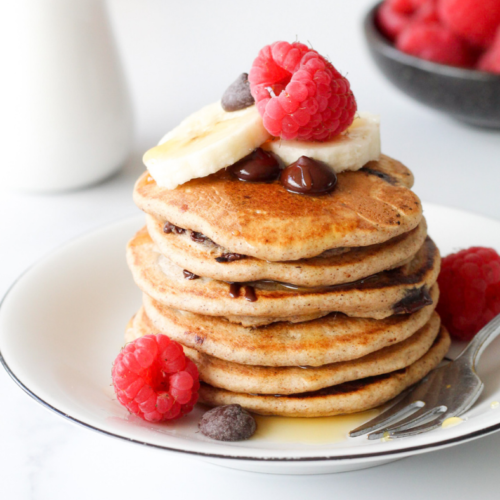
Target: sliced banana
x=205, y=142
x=349, y=151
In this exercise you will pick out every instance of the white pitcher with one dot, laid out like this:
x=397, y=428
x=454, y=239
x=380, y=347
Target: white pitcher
x=65, y=114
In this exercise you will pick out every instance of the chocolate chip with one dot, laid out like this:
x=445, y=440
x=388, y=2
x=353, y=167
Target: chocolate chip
x=234, y=290
x=229, y=257
x=228, y=423
x=414, y=300
x=308, y=176
x=198, y=237
x=189, y=275
x=381, y=175
x=170, y=228
x=250, y=294
x=258, y=166
x=237, y=95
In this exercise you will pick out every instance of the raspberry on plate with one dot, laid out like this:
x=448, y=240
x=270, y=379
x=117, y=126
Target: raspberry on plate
x=470, y=290
x=153, y=379
x=490, y=60
x=474, y=20
x=435, y=43
x=299, y=94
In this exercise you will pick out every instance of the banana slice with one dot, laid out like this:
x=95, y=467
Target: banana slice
x=205, y=142
x=349, y=151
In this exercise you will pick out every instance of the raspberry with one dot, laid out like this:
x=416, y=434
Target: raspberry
x=395, y=15
x=299, y=94
x=153, y=379
x=490, y=60
x=470, y=290
x=390, y=21
x=436, y=43
x=475, y=21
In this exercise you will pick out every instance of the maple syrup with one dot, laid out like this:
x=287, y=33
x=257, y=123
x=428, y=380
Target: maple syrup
x=310, y=430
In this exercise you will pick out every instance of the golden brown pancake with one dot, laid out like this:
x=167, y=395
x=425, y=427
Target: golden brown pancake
x=397, y=291
x=263, y=220
x=350, y=397
x=332, y=267
x=331, y=339
x=236, y=377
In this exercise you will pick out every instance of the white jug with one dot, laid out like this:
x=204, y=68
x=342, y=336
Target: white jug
x=65, y=113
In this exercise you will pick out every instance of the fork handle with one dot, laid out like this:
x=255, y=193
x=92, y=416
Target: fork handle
x=478, y=344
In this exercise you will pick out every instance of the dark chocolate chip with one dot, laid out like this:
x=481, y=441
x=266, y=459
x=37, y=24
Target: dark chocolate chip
x=237, y=95
x=250, y=294
x=234, y=290
x=414, y=300
x=198, y=237
x=308, y=176
x=381, y=175
x=189, y=275
x=168, y=228
x=229, y=257
x=228, y=423
x=258, y=166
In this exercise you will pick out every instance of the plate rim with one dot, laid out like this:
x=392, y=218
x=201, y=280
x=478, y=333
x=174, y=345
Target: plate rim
x=422, y=448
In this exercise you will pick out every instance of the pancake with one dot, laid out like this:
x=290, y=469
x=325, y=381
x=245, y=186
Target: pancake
x=350, y=397
x=199, y=257
x=400, y=290
x=331, y=339
x=236, y=377
x=263, y=220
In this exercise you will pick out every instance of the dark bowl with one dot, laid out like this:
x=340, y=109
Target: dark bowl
x=466, y=94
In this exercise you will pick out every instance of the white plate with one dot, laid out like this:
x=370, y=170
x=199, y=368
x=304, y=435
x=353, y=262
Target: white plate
x=62, y=325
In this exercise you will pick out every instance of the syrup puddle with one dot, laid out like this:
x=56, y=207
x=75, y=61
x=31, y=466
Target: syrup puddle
x=310, y=430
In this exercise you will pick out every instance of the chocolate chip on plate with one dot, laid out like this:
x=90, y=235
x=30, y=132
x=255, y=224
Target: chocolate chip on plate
x=308, y=176
x=228, y=423
x=237, y=95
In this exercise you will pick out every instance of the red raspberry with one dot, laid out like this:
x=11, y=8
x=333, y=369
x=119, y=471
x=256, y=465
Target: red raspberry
x=153, y=379
x=396, y=15
x=470, y=290
x=490, y=60
x=474, y=20
x=299, y=94
x=391, y=22
x=436, y=43
x=427, y=13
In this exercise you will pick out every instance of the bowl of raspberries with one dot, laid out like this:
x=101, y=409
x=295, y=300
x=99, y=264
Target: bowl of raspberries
x=444, y=53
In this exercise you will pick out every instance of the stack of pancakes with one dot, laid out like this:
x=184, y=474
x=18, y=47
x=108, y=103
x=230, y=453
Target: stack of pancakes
x=291, y=304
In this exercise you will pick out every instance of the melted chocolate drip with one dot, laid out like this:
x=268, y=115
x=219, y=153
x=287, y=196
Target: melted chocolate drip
x=415, y=299
x=308, y=176
x=234, y=290
x=230, y=257
x=189, y=275
x=250, y=294
x=258, y=166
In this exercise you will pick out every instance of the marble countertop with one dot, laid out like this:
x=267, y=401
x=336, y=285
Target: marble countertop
x=44, y=457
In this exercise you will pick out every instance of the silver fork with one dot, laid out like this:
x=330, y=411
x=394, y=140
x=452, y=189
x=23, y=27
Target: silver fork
x=447, y=391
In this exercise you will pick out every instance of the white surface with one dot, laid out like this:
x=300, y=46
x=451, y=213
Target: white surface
x=166, y=46
x=79, y=299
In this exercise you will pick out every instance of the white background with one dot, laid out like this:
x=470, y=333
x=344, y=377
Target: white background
x=179, y=56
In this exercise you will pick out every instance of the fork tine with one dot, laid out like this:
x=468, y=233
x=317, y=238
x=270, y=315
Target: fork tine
x=419, y=429
x=411, y=422
x=402, y=409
